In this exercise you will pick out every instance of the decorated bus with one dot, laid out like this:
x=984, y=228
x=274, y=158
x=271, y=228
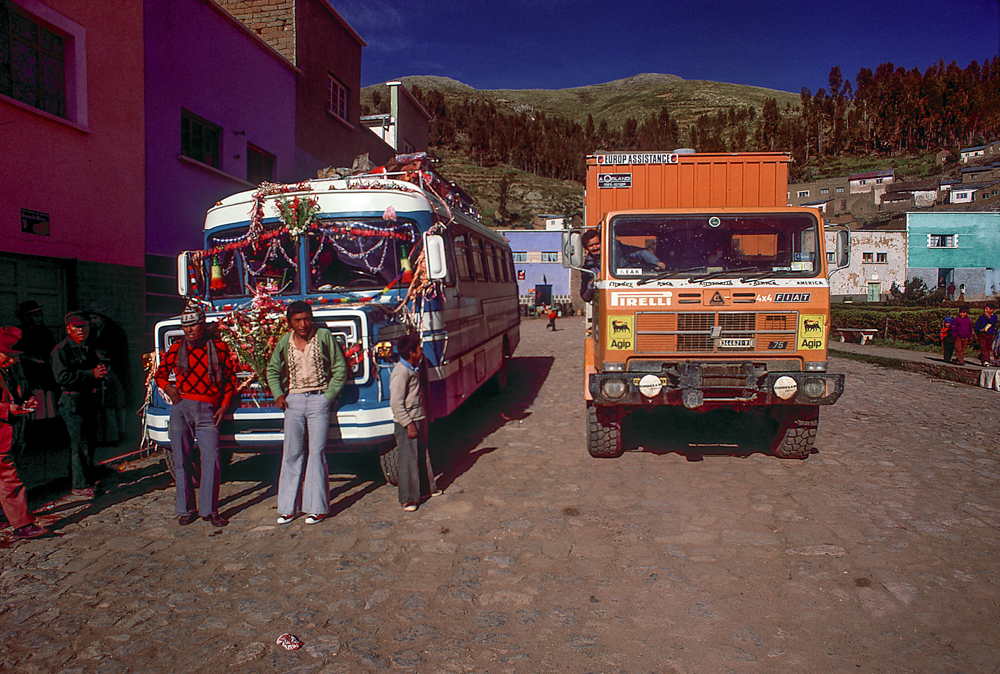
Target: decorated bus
x=377, y=255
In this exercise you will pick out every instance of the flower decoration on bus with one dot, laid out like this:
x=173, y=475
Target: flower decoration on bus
x=252, y=331
x=297, y=213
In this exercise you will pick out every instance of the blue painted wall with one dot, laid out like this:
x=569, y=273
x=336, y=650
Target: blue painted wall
x=537, y=273
x=975, y=259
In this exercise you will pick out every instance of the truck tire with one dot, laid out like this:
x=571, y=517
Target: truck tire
x=604, y=431
x=389, y=460
x=795, y=436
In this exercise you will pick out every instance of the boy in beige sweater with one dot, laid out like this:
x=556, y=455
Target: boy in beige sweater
x=410, y=420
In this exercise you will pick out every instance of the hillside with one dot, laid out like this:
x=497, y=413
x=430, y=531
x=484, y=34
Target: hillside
x=638, y=97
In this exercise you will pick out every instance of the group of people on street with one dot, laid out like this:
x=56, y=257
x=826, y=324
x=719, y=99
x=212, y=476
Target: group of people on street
x=958, y=332
x=79, y=371
x=305, y=374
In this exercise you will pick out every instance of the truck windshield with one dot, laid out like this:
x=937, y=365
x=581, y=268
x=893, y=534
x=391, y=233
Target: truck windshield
x=775, y=244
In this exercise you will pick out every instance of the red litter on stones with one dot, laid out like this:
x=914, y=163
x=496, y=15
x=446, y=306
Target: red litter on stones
x=289, y=642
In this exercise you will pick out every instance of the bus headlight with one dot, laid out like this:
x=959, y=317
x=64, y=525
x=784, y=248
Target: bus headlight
x=814, y=387
x=383, y=350
x=613, y=388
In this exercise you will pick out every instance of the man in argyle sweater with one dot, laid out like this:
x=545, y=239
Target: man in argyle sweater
x=200, y=394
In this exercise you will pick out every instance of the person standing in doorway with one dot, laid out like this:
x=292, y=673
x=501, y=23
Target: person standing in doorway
x=14, y=405
x=80, y=374
x=961, y=330
x=406, y=399
x=951, y=290
x=306, y=372
x=201, y=393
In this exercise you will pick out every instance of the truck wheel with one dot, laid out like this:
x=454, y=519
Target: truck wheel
x=389, y=459
x=796, y=433
x=604, y=431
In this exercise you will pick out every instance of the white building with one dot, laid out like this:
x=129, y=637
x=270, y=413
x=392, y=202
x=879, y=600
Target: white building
x=878, y=258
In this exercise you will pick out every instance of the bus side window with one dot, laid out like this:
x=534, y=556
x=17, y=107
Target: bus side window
x=491, y=263
x=502, y=264
x=477, y=258
x=462, y=257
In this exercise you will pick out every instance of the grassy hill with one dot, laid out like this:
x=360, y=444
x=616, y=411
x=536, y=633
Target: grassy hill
x=638, y=96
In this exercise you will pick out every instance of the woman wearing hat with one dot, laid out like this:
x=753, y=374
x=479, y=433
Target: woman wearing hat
x=13, y=405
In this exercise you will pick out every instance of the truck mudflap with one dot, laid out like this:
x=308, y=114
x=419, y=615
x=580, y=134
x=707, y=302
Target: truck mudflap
x=697, y=385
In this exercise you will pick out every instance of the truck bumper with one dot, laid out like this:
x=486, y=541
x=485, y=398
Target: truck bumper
x=689, y=386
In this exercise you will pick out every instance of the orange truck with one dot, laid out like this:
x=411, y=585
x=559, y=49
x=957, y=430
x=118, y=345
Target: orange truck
x=708, y=292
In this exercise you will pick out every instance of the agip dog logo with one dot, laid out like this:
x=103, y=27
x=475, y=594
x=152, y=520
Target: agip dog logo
x=812, y=332
x=621, y=333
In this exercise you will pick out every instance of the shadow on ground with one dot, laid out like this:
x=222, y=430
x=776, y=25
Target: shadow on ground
x=453, y=439
x=695, y=435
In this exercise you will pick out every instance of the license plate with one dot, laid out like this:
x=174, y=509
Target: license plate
x=732, y=343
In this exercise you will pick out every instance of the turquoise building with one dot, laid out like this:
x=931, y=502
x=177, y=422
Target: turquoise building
x=951, y=247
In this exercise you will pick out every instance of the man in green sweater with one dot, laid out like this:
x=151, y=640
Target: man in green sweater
x=305, y=373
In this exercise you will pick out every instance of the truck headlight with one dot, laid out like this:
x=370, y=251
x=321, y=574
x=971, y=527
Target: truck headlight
x=613, y=388
x=814, y=387
x=818, y=366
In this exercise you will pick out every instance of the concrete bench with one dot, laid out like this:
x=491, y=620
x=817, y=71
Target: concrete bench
x=862, y=334
x=989, y=377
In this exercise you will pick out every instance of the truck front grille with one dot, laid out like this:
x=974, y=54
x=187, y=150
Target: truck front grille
x=668, y=332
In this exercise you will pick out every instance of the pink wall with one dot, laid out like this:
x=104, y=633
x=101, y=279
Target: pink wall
x=86, y=175
x=201, y=59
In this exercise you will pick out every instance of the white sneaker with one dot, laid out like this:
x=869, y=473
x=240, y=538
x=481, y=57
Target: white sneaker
x=315, y=519
x=285, y=519
x=410, y=507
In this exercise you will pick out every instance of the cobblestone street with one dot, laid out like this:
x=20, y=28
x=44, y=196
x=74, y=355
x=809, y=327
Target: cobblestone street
x=695, y=552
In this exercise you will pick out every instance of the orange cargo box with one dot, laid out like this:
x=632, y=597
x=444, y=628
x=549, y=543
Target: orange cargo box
x=634, y=180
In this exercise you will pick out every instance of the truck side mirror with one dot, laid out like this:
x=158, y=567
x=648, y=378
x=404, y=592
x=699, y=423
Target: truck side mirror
x=572, y=248
x=435, y=256
x=843, y=248
x=184, y=274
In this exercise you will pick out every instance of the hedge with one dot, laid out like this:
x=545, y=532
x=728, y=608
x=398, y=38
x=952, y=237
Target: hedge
x=918, y=325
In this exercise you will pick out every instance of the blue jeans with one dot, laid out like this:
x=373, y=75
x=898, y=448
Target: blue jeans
x=191, y=420
x=307, y=419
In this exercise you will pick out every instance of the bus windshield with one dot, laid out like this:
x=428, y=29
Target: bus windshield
x=340, y=255
x=237, y=270
x=771, y=244
x=357, y=255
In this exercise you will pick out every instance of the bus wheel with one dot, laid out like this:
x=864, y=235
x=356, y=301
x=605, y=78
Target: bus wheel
x=225, y=463
x=795, y=435
x=389, y=459
x=604, y=431
x=498, y=382
x=168, y=458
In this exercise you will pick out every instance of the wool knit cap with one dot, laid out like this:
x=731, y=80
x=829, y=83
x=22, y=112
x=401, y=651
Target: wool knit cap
x=193, y=314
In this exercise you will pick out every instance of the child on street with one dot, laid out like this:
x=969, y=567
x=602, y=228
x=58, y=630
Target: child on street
x=410, y=419
x=961, y=330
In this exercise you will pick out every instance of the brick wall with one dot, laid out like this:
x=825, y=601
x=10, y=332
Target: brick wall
x=272, y=20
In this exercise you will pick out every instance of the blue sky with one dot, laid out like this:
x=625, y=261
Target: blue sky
x=556, y=44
